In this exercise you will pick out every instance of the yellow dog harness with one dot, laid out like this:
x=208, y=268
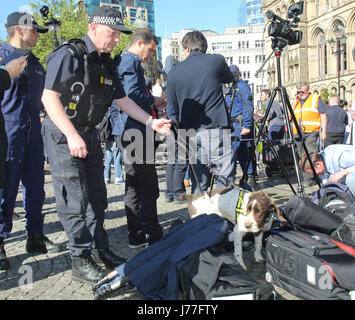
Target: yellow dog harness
x=239, y=209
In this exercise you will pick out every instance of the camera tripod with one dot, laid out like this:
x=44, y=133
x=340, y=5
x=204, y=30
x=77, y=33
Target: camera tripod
x=287, y=109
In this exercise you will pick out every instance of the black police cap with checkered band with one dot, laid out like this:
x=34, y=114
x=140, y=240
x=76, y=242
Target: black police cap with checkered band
x=110, y=17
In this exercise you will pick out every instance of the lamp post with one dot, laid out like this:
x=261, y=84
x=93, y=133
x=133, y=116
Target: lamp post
x=337, y=49
x=52, y=24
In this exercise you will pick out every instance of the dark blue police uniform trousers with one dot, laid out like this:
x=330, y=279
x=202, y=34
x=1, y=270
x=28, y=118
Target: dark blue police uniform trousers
x=79, y=188
x=240, y=152
x=25, y=163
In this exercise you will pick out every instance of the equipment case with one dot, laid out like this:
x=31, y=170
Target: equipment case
x=309, y=265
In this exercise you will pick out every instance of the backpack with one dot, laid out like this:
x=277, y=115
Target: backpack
x=335, y=197
x=105, y=130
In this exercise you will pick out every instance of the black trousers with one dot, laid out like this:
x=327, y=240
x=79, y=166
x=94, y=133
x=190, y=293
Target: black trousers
x=80, y=191
x=141, y=188
x=334, y=138
x=175, y=170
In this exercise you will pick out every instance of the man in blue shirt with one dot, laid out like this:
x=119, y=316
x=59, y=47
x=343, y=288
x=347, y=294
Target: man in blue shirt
x=241, y=114
x=336, y=163
x=141, y=189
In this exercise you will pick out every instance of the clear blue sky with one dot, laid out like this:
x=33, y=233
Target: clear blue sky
x=170, y=15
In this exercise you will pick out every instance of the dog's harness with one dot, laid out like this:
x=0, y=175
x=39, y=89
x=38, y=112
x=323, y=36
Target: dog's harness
x=240, y=209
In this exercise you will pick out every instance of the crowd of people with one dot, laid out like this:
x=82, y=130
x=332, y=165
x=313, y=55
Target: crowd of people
x=83, y=84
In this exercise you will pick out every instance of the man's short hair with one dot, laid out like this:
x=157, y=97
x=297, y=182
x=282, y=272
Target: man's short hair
x=334, y=101
x=267, y=92
x=145, y=34
x=10, y=32
x=343, y=103
x=315, y=157
x=195, y=41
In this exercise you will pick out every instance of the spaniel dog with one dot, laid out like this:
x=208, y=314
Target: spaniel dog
x=247, y=211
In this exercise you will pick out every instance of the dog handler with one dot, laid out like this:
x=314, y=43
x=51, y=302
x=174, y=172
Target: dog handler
x=78, y=92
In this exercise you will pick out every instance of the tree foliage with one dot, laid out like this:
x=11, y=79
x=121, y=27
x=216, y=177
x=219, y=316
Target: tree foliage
x=74, y=24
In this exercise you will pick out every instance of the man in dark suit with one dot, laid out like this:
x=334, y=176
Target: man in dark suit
x=195, y=99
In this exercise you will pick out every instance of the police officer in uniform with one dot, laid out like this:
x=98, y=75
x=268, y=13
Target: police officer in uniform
x=7, y=72
x=21, y=107
x=241, y=114
x=79, y=89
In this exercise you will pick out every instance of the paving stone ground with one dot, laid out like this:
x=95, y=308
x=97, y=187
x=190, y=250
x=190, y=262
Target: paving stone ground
x=50, y=274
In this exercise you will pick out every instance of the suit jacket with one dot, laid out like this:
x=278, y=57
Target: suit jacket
x=194, y=91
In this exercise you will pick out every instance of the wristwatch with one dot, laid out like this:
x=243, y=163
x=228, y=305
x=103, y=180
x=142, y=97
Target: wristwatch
x=149, y=122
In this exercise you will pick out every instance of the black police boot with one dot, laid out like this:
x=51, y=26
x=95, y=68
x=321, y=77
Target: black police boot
x=4, y=261
x=105, y=257
x=39, y=243
x=84, y=269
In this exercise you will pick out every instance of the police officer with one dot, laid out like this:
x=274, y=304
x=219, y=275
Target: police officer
x=7, y=72
x=81, y=83
x=21, y=106
x=241, y=114
x=275, y=118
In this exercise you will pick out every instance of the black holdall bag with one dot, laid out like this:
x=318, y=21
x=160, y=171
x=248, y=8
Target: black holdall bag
x=335, y=197
x=302, y=213
x=310, y=266
x=345, y=233
x=208, y=276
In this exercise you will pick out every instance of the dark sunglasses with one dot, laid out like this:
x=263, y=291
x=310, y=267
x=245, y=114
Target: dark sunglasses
x=300, y=92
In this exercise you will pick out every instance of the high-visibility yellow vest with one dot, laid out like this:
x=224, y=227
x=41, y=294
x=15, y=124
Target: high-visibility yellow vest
x=307, y=116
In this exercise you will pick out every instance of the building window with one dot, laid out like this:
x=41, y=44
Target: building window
x=218, y=46
x=259, y=44
x=322, y=55
x=229, y=60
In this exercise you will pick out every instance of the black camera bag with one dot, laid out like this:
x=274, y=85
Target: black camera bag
x=302, y=213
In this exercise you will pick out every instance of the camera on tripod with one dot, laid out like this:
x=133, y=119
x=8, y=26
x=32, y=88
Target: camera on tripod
x=282, y=30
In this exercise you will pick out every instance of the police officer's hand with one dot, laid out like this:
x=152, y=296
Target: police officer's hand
x=15, y=66
x=77, y=146
x=162, y=126
x=245, y=131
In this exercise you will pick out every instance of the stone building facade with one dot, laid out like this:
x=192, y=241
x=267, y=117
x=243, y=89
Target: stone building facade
x=314, y=60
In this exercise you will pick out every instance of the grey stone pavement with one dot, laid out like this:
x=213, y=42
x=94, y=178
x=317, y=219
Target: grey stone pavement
x=48, y=276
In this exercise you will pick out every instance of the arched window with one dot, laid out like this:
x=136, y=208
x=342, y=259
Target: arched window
x=322, y=54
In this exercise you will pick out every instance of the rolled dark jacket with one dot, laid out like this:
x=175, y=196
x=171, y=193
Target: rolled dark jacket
x=5, y=83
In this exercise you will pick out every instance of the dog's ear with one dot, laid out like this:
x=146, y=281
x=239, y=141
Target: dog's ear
x=273, y=205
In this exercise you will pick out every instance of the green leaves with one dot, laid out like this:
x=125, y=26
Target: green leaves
x=74, y=24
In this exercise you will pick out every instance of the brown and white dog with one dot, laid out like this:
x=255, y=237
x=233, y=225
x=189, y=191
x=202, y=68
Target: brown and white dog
x=247, y=211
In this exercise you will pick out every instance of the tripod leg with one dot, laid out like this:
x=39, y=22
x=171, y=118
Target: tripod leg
x=283, y=168
x=299, y=132
x=261, y=129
